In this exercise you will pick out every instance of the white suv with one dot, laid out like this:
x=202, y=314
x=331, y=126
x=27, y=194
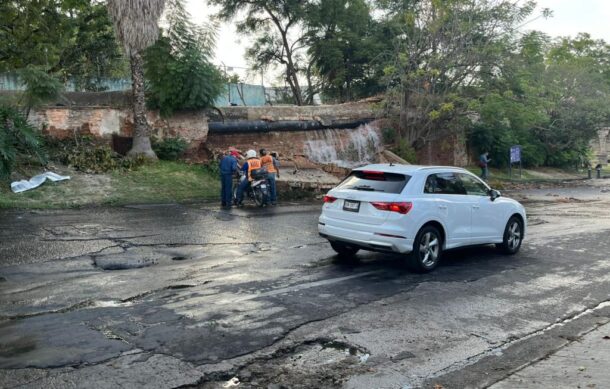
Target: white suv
x=421, y=210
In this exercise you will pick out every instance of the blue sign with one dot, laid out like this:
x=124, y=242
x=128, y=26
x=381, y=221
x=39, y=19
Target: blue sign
x=515, y=154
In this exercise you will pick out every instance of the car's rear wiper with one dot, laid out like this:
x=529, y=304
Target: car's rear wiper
x=365, y=187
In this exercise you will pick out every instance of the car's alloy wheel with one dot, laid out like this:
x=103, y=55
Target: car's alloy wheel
x=427, y=250
x=344, y=250
x=513, y=236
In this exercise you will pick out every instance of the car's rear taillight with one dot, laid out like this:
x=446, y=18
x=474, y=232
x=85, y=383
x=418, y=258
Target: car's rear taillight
x=329, y=199
x=402, y=208
x=373, y=175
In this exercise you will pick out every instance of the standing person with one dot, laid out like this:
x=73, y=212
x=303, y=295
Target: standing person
x=237, y=154
x=228, y=167
x=483, y=162
x=276, y=162
x=271, y=165
x=252, y=163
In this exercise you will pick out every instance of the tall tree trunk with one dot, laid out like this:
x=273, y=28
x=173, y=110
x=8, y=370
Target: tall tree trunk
x=294, y=84
x=310, y=91
x=141, y=133
x=403, y=124
x=291, y=72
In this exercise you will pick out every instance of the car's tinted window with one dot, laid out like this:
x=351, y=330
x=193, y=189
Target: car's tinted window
x=375, y=181
x=444, y=183
x=472, y=185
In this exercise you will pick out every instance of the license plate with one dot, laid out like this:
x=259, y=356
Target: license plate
x=264, y=186
x=352, y=206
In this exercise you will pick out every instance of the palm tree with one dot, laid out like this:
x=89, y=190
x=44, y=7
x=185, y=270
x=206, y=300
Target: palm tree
x=135, y=23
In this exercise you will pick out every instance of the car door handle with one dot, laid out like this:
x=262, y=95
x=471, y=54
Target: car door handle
x=475, y=207
x=442, y=207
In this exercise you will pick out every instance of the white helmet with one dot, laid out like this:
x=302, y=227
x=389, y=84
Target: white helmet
x=250, y=154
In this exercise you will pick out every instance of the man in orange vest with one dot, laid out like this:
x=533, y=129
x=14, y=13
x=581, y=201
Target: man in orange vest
x=252, y=163
x=271, y=164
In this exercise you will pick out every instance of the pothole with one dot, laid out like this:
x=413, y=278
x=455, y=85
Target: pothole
x=119, y=263
x=179, y=258
x=346, y=349
x=175, y=287
x=314, y=364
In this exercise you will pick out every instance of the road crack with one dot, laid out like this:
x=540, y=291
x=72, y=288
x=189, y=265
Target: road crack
x=515, y=340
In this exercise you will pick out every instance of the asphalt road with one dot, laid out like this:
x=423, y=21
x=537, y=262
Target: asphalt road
x=172, y=295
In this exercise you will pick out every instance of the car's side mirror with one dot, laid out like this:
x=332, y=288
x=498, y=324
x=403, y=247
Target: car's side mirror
x=494, y=194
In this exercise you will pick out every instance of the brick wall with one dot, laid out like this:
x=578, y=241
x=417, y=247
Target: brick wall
x=104, y=122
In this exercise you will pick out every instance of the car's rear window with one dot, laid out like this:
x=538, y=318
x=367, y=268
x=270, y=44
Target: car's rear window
x=375, y=181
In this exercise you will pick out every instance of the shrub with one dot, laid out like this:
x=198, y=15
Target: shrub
x=405, y=151
x=169, y=149
x=87, y=155
x=17, y=138
x=388, y=135
x=212, y=168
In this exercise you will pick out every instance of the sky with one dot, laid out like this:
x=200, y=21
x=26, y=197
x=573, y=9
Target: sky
x=573, y=16
x=569, y=18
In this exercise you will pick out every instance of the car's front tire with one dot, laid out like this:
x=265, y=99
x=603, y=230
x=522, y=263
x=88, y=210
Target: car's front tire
x=343, y=250
x=427, y=250
x=260, y=198
x=513, y=236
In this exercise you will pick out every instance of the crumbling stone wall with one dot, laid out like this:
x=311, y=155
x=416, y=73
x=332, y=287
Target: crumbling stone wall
x=104, y=122
x=103, y=116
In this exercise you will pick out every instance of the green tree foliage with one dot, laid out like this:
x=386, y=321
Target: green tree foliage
x=346, y=47
x=40, y=87
x=69, y=38
x=444, y=49
x=94, y=53
x=179, y=73
x=17, y=139
x=276, y=26
x=550, y=98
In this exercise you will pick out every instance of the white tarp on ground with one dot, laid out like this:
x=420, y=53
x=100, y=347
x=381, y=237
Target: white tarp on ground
x=36, y=181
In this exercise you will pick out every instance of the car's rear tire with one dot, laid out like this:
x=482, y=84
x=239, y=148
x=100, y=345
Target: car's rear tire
x=343, y=250
x=427, y=250
x=513, y=236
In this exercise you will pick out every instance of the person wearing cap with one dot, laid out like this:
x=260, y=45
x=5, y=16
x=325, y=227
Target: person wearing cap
x=271, y=165
x=252, y=163
x=236, y=153
x=228, y=167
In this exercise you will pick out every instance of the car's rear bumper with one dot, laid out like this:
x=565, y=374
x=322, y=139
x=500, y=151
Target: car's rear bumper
x=382, y=239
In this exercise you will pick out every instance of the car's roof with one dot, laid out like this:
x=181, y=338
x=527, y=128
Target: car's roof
x=408, y=169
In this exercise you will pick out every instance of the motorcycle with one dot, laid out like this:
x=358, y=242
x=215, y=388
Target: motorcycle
x=257, y=191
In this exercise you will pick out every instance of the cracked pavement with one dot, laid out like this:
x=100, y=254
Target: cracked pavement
x=163, y=296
